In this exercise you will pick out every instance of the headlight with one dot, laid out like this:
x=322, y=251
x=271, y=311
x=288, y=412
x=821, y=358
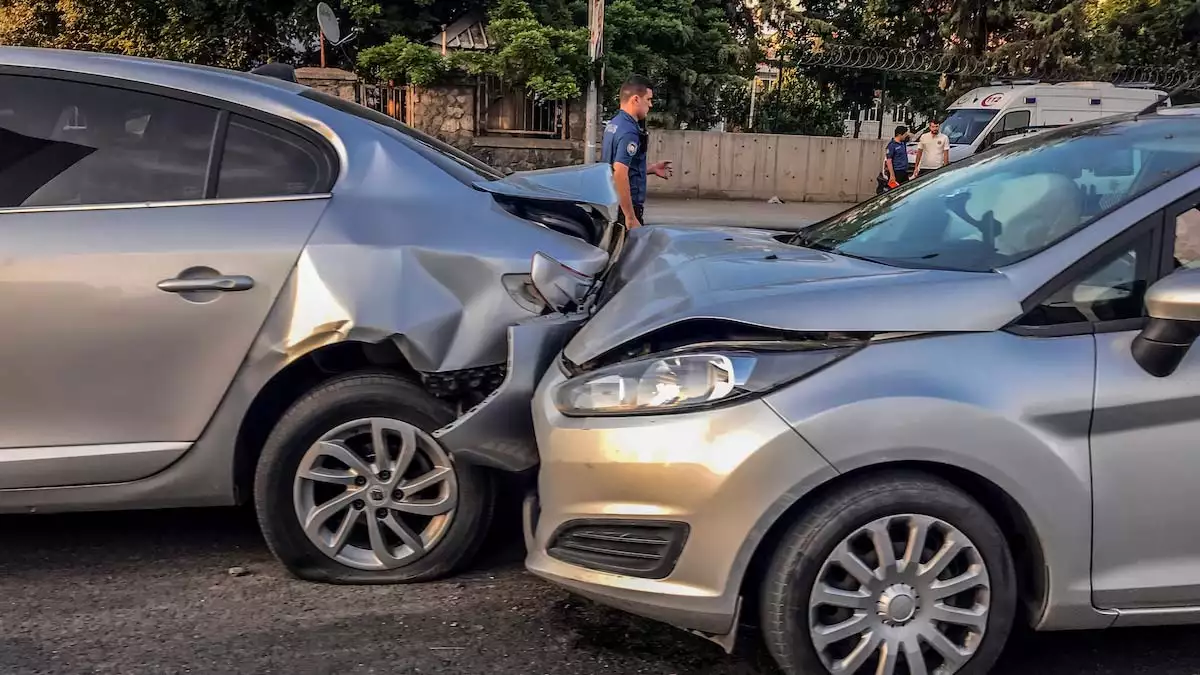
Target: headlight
x=686, y=381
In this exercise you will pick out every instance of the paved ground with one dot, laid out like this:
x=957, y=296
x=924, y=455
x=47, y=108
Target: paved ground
x=151, y=593
x=789, y=216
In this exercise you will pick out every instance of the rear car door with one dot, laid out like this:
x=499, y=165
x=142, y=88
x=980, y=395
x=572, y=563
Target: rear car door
x=144, y=236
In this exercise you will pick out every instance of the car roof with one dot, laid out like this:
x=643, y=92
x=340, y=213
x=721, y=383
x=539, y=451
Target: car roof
x=254, y=91
x=1188, y=110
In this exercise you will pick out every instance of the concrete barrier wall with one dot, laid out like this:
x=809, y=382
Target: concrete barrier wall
x=712, y=164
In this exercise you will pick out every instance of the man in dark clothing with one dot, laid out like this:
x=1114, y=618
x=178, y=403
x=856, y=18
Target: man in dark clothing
x=897, y=158
x=624, y=149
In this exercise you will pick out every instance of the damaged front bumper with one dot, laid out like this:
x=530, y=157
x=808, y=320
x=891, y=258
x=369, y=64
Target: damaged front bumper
x=498, y=432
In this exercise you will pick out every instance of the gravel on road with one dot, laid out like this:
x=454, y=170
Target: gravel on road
x=197, y=592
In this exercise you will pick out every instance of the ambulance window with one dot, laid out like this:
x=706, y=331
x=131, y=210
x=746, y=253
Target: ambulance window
x=1017, y=119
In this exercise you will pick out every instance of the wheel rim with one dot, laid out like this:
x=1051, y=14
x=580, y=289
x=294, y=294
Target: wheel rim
x=906, y=594
x=375, y=493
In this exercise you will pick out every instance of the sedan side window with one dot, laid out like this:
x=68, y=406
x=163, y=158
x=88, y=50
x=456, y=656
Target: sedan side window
x=68, y=143
x=1187, y=238
x=1112, y=291
x=263, y=161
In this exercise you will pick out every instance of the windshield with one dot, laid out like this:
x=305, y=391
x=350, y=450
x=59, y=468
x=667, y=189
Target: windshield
x=450, y=159
x=1006, y=205
x=964, y=125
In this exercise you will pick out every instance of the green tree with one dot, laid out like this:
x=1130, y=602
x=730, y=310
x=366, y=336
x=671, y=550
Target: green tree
x=795, y=105
x=550, y=61
x=232, y=33
x=1051, y=38
x=1149, y=32
x=690, y=49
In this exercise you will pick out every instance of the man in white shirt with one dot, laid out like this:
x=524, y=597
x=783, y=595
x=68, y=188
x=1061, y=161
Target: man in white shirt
x=933, y=150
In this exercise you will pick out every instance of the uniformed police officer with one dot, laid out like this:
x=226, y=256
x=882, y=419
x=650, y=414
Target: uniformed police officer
x=624, y=150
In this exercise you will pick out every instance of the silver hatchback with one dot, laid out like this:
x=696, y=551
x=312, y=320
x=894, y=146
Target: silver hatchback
x=219, y=285
x=969, y=402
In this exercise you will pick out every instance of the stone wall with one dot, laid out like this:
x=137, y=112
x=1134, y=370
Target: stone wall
x=448, y=112
x=333, y=81
x=526, y=154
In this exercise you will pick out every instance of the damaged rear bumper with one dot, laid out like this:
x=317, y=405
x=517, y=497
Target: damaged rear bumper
x=498, y=432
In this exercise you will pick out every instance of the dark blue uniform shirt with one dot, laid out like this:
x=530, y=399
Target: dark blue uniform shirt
x=898, y=153
x=624, y=142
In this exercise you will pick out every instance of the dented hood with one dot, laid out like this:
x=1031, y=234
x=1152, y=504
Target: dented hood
x=588, y=184
x=669, y=275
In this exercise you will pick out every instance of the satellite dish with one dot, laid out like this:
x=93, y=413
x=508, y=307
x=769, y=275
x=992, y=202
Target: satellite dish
x=328, y=22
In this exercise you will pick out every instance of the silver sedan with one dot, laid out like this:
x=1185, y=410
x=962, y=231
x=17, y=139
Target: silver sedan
x=221, y=286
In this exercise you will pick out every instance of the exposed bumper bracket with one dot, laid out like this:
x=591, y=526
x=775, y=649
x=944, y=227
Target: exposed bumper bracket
x=499, y=431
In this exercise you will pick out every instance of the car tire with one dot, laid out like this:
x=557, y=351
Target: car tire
x=854, y=517
x=402, y=411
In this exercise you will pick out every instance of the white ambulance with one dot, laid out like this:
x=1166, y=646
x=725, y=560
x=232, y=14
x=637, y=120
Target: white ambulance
x=981, y=117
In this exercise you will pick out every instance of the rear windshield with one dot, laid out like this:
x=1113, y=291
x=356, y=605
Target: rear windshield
x=1008, y=204
x=450, y=159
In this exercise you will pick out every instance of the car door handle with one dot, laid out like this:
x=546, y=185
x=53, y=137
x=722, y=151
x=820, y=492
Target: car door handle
x=237, y=282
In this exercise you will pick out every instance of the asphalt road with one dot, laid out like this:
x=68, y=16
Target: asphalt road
x=151, y=593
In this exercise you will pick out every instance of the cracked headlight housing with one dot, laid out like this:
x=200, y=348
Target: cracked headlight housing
x=689, y=381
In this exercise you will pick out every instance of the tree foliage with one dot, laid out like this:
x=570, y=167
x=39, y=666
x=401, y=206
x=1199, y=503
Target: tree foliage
x=699, y=53
x=230, y=33
x=689, y=49
x=1148, y=32
x=549, y=60
x=1060, y=39
x=795, y=105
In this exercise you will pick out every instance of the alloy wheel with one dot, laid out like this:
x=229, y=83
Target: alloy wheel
x=903, y=595
x=375, y=493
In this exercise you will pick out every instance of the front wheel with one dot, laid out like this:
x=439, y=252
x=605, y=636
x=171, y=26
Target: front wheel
x=352, y=488
x=894, y=575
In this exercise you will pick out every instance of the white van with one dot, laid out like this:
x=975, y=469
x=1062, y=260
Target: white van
x=982, y=116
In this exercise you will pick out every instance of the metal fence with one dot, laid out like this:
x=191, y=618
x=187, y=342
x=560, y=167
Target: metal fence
x=505, y=109
x=389, y=100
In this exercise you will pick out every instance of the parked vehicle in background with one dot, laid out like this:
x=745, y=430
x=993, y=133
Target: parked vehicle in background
x=891, y=436
x=983, y=116
x=220, y=285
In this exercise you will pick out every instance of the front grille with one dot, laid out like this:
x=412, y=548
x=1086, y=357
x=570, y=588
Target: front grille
x=636, y=548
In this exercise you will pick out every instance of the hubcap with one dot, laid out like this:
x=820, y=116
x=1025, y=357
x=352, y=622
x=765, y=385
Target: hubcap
x=405, y=476
x=904, y=594
x=897, y=604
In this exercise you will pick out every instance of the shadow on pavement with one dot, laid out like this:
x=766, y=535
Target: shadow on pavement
x=150, y=592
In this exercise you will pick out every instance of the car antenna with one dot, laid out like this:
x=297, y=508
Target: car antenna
x=1167, y=96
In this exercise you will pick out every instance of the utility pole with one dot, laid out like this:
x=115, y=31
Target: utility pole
x=882, y=103
x=753, y=95
x=982, y=19
x=596, y=55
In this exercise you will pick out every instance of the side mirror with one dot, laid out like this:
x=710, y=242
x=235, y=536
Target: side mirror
x=560, y=286
x=1174, y=308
